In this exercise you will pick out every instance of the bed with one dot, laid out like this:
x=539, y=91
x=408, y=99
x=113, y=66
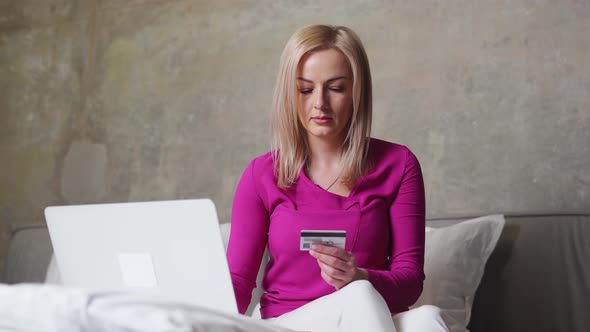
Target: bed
x=535, y=274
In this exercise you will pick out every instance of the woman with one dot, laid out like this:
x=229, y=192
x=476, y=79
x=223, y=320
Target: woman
x=325, y=173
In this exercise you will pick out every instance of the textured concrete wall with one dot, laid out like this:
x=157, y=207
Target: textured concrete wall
x=107, y=101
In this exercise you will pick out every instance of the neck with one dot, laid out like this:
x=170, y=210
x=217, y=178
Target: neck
x=324, y=153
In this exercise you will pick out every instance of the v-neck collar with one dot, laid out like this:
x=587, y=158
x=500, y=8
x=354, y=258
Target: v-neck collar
x=319, y=190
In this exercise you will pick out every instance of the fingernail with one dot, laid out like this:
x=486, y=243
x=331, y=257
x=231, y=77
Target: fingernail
x=314, y=246
x=311, y=252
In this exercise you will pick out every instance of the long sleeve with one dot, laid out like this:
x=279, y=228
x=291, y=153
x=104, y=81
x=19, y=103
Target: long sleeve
x=387, y=200
x=402, y=283
x=248, y=237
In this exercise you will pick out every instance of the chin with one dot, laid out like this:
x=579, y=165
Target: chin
x=323, y=134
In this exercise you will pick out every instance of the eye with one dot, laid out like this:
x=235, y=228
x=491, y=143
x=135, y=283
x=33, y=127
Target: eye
x=305, y=91
x=336, y=88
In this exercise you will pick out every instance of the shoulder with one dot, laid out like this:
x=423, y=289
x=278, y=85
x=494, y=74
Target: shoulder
x=257, y=180
x=260, y=172
x=392, y=165
x=384, y=152
x=262, y=164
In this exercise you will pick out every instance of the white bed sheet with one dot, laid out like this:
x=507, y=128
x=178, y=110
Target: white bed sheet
x=53, y=308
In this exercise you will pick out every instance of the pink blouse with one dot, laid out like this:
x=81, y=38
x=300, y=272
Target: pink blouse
x=383, y=218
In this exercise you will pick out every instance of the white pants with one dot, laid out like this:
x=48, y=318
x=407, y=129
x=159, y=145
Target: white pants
x=359, y=307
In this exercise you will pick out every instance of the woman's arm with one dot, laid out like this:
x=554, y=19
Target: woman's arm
x=247, y=239
x=401, y=284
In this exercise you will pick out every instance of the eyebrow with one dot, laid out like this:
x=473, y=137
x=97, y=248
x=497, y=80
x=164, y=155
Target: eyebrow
x=330, y=80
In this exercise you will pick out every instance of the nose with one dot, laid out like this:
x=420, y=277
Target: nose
x=320, y=101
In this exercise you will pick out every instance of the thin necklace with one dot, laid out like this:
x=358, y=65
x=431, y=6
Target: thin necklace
x=330, y=186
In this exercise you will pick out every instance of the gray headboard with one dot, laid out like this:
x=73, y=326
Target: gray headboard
x=538, y=277
x=29, y=253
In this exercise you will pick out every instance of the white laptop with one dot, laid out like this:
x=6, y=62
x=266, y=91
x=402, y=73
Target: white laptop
x=168, y=248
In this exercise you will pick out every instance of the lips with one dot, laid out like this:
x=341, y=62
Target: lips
x=322, y=120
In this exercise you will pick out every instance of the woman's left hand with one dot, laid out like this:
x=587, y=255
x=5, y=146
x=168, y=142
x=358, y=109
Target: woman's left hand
x=338, y=265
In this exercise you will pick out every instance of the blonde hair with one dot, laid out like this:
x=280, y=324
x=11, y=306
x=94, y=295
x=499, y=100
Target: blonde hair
x=289, y=140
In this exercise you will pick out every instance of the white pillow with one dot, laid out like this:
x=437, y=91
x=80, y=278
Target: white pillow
x=225, y=229
x=454, y=264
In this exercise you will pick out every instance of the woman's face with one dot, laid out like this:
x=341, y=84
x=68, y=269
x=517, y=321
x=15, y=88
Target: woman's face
x=324, y=85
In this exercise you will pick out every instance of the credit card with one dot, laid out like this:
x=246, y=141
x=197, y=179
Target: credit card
x=329, y=238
